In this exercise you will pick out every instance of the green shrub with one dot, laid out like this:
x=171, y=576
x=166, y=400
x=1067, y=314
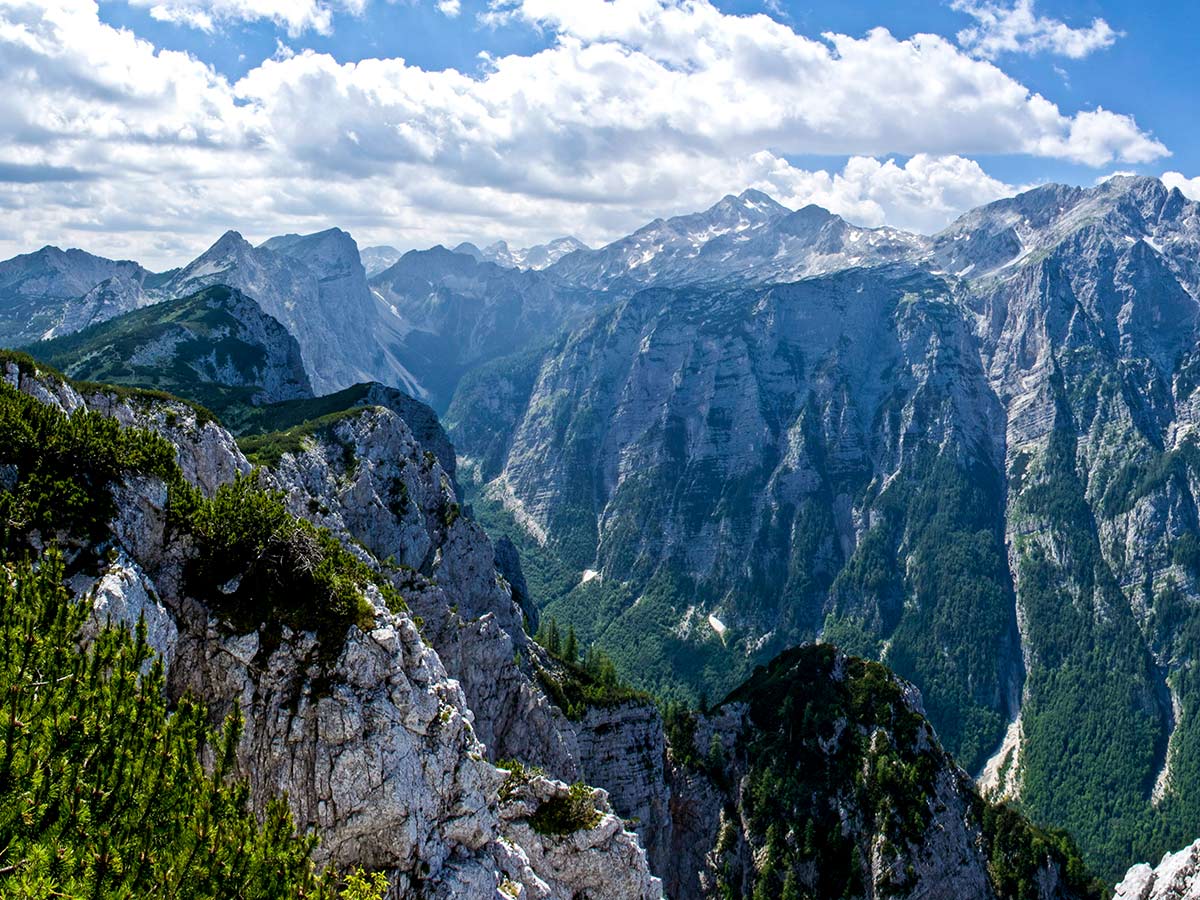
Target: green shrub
x=268, y=449
x=255, y=564
x=62, y=468
x=102, y=789
x=566, y=815
x=519, y=775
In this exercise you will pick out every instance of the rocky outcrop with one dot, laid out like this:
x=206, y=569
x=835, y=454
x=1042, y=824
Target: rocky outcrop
x=597, y=861
x=1176, y=877
x=372, y=744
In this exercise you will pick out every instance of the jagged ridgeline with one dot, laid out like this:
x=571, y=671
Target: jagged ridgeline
x=263, y=682
x=971, y=456
x=103, y=788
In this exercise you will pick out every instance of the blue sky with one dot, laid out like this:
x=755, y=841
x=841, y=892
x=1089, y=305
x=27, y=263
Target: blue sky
x=146, y=127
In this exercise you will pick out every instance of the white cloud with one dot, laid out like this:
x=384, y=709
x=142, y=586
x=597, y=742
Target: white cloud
x=637, y=108
x=1189, y=187
x=295, y=15
x=925, y=194
x=1018, y=29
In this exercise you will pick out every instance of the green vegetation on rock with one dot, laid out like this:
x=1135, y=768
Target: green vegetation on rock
x=257, y=565
x=103, y=793
x=58, y=471
x=840, y=766
x=576, y=684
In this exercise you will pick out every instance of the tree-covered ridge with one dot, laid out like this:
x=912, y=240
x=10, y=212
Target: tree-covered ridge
x=104, y=790
x=216, y=347
x=842, y=777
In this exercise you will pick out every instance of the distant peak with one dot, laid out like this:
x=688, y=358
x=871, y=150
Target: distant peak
x=230, y=240
x=750, y=195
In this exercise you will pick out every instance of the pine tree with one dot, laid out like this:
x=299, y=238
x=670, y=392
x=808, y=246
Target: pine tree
x=571, y=649
x=553, y=642
x=102, y=790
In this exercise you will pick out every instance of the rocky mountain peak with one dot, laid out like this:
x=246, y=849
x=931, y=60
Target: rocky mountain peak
x=376, y=259
x=333, y=253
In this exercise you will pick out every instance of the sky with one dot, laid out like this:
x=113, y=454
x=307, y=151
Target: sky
x=144, y=129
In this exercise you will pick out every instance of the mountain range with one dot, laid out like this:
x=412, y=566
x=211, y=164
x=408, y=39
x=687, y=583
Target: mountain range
x=970, y=456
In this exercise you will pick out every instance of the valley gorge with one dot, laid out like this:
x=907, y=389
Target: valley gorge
x=879, y=554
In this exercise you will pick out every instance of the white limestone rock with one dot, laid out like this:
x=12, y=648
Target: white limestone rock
x=1176, y=877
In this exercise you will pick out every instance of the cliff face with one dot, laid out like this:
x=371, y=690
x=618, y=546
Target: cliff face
x=977, y=465
x=369, y=737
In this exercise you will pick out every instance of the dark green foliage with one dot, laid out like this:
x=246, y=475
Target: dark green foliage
x=60, y=470
x=933, y=569
x=566, y=815
x=268, y=449
x=833, y=737
x=102, y=791
x=287, y=414
x=1016, y=851
x=679, y=727
x=873, y=766
x=256, y=564
x=1138, y=479
x=574, y=684
x=1092, y=726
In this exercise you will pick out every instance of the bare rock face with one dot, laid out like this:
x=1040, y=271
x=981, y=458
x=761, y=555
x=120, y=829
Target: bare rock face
x=624, y=749
x=370, y=480
x=579, y=863
x=373, y=745
x=1176, y=877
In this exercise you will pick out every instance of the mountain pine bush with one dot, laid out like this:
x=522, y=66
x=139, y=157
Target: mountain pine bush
x=103, y=792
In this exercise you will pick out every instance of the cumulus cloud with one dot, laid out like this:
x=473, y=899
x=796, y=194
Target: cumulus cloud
x=636, y=108
x=450, y=8
x=924, y=194
x=1018, y=29
x=1189, y=187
